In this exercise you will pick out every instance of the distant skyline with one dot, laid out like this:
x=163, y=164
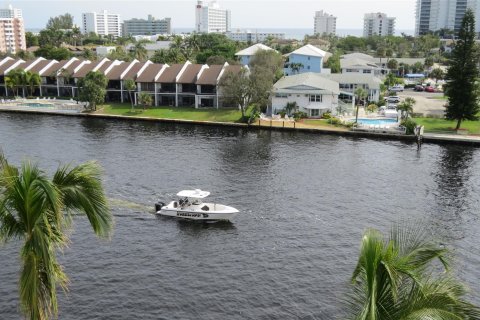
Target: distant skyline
x=246, y=14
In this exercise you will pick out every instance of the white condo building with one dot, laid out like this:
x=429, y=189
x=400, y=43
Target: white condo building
x=324, y=23
x=211, y=18
x=12, y=30
x=103, y=23
x=433, y=15
x=378, y=24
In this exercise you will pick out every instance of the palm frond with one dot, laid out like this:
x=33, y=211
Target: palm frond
x=82, y=191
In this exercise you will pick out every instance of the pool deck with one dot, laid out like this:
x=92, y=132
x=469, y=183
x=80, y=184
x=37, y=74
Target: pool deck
x=271, y=125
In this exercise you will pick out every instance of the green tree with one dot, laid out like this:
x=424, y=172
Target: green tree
x=64, y=21
x=296, y=66
x=462, y=75
x=14, y=80
x=145, y=99
x=31, y=80
x=437, y=74
x=334, y=63
x=394, y=279
x=25, y=55
x=36, y=210
x=392, y=64
x=406, y=107
x=119, y=54
x=89, y=54
x=139, y=52
x=51, y=37
x=360, y=94
x=53, y=53
x=236, y=89
x=391, y=80
x=31, y=39
x=92, y=88
x=130, y=86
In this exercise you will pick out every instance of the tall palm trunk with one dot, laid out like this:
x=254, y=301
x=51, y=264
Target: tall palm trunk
x=458, y=124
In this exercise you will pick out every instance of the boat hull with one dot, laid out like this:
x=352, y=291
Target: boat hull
x=223, y=212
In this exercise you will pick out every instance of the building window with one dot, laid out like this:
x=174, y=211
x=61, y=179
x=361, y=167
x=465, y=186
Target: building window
x=281, y=95
x=308, y=67
x=367, y=71
x=315, y=98
x=314, y=112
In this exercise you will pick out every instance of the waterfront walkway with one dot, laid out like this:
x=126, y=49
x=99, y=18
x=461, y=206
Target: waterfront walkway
x=274, y=125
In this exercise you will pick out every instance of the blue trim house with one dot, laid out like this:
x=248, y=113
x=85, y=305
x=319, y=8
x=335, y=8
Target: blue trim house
x=246, y=54
x=305, y=59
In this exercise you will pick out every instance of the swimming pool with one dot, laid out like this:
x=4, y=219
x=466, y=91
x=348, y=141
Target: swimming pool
x=376, y=121
x=37, y=105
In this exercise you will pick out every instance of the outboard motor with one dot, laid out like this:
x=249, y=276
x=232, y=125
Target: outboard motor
x=158, y=206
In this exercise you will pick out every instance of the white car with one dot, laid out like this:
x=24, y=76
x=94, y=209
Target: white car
x=396, y=88
x=392, y=99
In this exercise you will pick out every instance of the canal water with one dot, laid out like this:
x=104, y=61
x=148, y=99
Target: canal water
x=305, y=200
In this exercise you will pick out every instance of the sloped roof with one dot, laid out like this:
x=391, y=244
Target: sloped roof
x=210, y=75
x=355, y=78
x=170, y=74
x=309, y=50
x=116, y=71
x=7, y=65
x=357, y=62
x=250, y=51
x=132, y=73
x=148, y=75
x=40, y=65
x=189, y=75
x=53, y=69
x=309, y=81
x=358, y=55
x=86, y=68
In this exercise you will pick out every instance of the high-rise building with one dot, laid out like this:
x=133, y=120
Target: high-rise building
x=378, y=24
x=150, y=26
x=103, y=23
x=324, y=23
x=12, y=30
x=212, y=18
x=434, y=15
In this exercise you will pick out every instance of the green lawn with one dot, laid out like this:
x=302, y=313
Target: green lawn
x=184, y=113
x=320, y=123
x=446, y=126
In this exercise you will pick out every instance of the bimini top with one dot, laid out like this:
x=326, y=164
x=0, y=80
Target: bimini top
x=197, y=193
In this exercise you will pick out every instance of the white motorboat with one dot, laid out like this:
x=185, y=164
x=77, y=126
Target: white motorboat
x=190, y=206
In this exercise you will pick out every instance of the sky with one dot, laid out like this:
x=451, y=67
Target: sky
x=246, y=14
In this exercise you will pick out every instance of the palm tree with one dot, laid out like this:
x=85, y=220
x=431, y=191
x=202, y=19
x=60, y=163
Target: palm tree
x=406, y=107
x=296, y=66
x=145, y=99
x=36, y=210
x=393, y=279
x=361, y=94
x=14, y=80
x=129, y=85
x=139, y=51
x=32, y=80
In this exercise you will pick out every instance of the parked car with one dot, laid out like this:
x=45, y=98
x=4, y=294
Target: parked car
x=392, y=99
x=392, y=106
x=418, y=88
x=396, y=88
x=429, y=89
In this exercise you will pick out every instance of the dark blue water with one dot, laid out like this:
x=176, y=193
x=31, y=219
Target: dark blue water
x=305, y=200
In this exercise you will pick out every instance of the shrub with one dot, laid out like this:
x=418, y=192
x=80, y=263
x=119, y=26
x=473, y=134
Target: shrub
x=372, y=107
x=299, y=115
x=335, y=121
x=410, y=125
x=282, y=114
x=326, y=115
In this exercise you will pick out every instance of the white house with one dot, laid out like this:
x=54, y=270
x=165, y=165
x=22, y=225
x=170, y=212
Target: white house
x=349, y=82
x=313, y=93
